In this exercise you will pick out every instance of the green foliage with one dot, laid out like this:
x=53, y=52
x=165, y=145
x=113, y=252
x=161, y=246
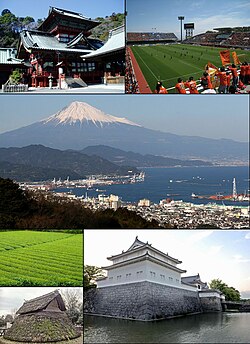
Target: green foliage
x=41, y=259
x=231, y=294
x=91, y=274
x=15, y=77
x=10, y=26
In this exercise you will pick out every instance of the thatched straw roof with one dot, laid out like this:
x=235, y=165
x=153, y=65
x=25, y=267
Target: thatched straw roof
x=41, y=302
x=38, y=324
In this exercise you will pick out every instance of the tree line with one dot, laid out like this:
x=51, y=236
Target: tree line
x=11, y=25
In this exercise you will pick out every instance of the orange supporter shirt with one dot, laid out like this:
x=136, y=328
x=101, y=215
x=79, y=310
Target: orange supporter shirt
x=180, y=87
x=193, y=87
x=234, y=71
x=163, y=90
x=223, y=78
x=228, y=79
x=248, y=70
x=243, y=70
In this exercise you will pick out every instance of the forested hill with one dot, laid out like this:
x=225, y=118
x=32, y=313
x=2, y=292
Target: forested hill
x=11, y=25
x=108, y=23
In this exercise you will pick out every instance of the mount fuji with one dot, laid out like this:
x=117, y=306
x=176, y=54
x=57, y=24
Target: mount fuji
x=80, y=125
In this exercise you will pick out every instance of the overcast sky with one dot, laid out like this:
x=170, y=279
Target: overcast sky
x=219, y=116
x=12, y=298
x=162, y=15
x=212, y=254
x=89, y=8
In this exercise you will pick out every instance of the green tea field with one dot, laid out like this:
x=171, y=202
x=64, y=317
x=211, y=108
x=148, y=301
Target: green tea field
x=30, y=258
x=169, y=62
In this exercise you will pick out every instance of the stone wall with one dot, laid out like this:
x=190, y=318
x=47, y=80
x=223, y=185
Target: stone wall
x=141, y=301
x=211, y=304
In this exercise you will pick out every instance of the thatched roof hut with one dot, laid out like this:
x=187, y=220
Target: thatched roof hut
x=41, y=320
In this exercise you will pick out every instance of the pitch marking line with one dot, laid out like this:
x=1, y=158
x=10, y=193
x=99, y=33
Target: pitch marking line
x=147, y=66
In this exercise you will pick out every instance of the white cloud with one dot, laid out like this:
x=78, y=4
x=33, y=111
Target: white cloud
x=247, y=236
x=238, y=258
x=211, y=22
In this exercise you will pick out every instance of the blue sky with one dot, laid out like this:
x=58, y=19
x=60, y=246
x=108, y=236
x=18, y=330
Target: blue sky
x=143, y=15
x=89, y=8
x=209, y=116
x=213, y=254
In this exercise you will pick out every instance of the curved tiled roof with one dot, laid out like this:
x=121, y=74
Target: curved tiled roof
x=33, y=39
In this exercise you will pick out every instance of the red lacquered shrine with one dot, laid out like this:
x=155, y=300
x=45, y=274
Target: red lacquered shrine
x=54, y=50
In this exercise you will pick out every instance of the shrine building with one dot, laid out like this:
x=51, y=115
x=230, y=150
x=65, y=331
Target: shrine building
x=54, y=51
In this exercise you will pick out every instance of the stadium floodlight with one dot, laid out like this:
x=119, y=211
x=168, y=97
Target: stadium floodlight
x=181, y=18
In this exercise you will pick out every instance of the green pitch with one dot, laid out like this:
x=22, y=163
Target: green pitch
x=169, y=62
x=29, y=258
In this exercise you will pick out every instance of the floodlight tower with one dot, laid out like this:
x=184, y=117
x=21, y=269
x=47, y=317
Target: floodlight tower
x=181, y=18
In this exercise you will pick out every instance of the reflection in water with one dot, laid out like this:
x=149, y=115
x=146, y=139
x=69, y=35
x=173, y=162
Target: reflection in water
x=200, y=328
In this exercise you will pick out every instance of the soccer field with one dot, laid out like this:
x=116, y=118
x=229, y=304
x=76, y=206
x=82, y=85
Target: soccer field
x=29, y=258
x=169, y=62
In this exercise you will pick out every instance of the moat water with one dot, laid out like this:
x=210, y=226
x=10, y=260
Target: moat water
x=199, y=328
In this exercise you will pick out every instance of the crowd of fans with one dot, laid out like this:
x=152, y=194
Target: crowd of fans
x=230, y=79
x=150, y=36
x=241, y=39
x=131, y=84
x=237, y=39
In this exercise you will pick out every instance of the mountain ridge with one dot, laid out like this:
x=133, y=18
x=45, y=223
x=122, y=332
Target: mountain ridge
x=81, y=125
x=62, y=163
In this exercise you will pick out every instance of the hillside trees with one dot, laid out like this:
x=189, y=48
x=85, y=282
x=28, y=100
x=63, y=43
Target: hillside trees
x=11, y=25
x=21, y=209
x=91, y=274
x=231, y=294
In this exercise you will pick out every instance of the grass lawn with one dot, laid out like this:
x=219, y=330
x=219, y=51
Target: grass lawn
x=169, y=62
x=31, y=258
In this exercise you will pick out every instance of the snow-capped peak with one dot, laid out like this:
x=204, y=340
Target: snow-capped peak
x=81, y=112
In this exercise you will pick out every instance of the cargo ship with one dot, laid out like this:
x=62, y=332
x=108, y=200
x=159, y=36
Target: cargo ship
x=233, y=197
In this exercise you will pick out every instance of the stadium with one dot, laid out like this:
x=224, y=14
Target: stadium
x=160, y=56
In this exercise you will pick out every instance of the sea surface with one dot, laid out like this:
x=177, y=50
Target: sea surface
x=199, y=328
x=178, y=184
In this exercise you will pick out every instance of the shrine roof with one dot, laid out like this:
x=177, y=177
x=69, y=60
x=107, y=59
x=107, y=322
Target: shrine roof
x=8, y=56
x=40, y=40
x=67, y=15
x=70, y=14
x=115, y=43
